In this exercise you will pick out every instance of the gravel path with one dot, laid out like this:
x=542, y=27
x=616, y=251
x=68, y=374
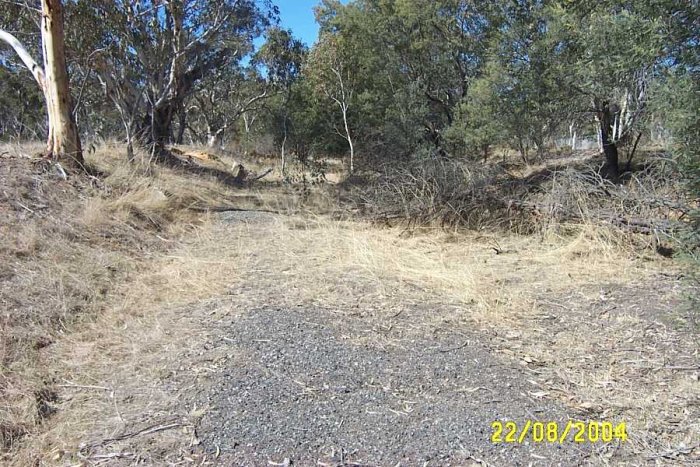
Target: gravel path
x=308, y=384
x=314, y=387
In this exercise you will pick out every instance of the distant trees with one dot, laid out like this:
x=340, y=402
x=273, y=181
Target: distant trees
x=154, y=56
x=52, y=78
x=467, y=76
x=387, y=79
x=611, y=51
x=282, y=57
x=21, y=104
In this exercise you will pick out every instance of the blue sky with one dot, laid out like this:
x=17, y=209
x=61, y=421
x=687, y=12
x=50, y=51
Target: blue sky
x=298, y=16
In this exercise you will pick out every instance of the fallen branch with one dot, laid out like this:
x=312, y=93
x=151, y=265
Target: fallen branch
x=630, y=224
x=260, y=177
x=229, y=209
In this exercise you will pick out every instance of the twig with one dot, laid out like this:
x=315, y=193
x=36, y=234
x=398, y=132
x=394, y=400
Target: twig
x=145, y=431
x=673, y=454
x=396, y=315
x=114, y=455
x=25, y=207
x=230, y=209
x=454, y=348
x=78, y=386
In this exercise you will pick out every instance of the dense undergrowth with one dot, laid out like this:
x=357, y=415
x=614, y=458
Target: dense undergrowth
x=649, y=206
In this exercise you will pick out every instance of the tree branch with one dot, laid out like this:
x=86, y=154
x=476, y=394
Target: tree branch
x=26, y=58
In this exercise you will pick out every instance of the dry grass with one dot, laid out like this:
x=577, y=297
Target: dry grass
x=123, y=262
x=468, y=268
x=110, y=368
x=589, y=319
x=80, y=251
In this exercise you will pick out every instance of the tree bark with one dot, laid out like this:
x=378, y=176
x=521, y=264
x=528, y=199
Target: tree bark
x=182, y=126
x=156, y=130
x=64, y=140
x=349, y=138
x=605, y=118
x=63, y=137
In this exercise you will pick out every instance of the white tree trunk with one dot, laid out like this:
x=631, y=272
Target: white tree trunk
x=624, y=116
x=214, y=137
x=284, y=156
x=342, y=98
x=349, y=138
x=599, y=133
x=63, y=138
x=63, y=132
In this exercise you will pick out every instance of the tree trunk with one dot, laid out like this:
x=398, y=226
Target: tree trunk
x=344, y=108
x=129, y=128
x=182, y=125
x=284, y=156
x=611, y=169
x=572, y=133
x=612, y=165
x=157, y=129
x=64, y=139
x=522, y=146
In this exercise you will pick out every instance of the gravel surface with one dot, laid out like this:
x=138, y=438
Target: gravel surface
x=319, y=387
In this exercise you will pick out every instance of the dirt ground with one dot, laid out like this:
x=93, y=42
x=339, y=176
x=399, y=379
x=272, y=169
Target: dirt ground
x=254, y=338
x=317, y=356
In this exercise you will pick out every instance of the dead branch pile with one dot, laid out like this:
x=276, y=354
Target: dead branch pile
x=451, y=193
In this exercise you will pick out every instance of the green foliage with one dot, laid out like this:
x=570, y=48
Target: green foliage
x=678, y=100
x=458, y=77
x=479, y=122
x=21, y=106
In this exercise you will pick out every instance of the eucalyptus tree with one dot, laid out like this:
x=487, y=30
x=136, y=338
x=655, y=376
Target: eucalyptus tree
x=612, y=50
x=517, y=97
x=413, y=61
x=52, y=78
x=156, y=52
x=222, y=98
x=334, y=76
x=281, y=57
